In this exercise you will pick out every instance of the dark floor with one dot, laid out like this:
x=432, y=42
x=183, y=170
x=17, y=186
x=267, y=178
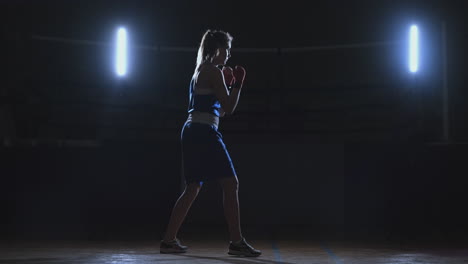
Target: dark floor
x=212, y=248
x=214, y=251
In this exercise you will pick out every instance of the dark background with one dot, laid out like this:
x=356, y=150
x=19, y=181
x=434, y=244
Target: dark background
x=335, y=143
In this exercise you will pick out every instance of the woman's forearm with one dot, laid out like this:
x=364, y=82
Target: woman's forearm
x=234, y=99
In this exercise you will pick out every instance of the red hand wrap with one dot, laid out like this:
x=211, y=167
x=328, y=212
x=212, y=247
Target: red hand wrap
x=228, y=76
x=239, y=76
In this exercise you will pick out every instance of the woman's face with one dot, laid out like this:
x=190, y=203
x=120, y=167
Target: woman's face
x=222, y=56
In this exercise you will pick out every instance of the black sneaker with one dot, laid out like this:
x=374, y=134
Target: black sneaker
x=172, y=247
x=243, y=249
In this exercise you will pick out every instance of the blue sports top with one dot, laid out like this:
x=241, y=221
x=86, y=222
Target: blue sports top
x=203, y=102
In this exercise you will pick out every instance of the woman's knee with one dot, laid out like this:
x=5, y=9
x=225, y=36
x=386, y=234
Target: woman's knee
x=230, y=183
x=193, y=188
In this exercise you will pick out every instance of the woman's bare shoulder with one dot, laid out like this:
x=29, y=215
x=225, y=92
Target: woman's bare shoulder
x=208, y=74
x=209, y=69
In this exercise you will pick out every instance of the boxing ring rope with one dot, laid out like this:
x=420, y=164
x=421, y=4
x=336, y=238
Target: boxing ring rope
x=246, y=50
x=278, y=51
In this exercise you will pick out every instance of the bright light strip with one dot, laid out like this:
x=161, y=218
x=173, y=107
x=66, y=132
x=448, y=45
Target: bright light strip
x=413, y=48
x=121, y=52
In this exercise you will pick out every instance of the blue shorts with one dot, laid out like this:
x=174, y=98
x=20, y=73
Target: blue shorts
x=204, y=154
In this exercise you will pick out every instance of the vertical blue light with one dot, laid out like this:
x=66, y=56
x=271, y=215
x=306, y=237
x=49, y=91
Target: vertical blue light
x=413, y=48
x=121, y=52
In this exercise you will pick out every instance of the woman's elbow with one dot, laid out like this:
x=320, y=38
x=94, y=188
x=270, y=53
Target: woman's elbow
x=228, y=109
x=222, y=112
